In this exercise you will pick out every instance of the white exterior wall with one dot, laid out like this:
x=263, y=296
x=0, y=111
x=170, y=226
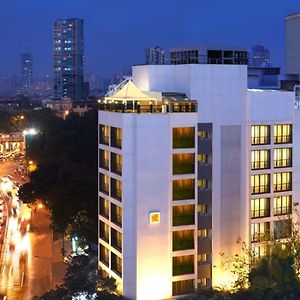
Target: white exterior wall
x=147, y=187
x=221, y=92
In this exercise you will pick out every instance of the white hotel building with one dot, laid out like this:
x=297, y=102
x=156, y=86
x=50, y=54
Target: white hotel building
x=190, y=161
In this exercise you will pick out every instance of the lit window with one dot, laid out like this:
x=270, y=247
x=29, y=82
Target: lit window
x=260, y=183
x=203, y=183
x=260, y=208
x=202, y=258
x=260, y=134
x=260, y=159
x=203, y=135
x=282, y=157
x=282, y=205
x=282, y=181
x=154, y=217
x=203, y=158
x=260, y=232
x=202, y=233
x=202, y=209
x=283, y=134
x=202, y=282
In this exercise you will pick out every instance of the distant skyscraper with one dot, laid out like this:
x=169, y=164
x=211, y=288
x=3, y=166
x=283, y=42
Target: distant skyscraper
x=155, y=56
x=26, y=73
x=260, y=56
x=292, y=27
x=68, y=58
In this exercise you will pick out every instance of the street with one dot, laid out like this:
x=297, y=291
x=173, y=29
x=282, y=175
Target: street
x=31, y=263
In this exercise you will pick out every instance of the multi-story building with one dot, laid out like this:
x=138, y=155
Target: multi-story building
x=68, y=58
x=26, y=74
x=181, y=181
x=155, y=56
x=260, y=56
x=208, y=55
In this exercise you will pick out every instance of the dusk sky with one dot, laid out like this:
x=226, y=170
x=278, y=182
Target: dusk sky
x=117, y=32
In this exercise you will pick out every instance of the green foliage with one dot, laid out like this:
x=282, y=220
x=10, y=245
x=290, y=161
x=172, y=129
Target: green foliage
x=65, y=152
x=82, y=278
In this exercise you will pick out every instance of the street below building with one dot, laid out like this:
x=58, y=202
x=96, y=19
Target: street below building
x=31, y=263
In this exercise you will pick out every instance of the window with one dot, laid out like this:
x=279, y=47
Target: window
x=116, y=189
x=202, y=258
x=116, y=239
x=104, y=134
x=282, y=205
x=104, y=183
x=260, y=232
x=260, y=159
x=203, y=233
x=282, y=229
x=260, y=208
x=203, y=135
x=202, y=209
x=116, y=264
x=282, y=157
x=283, y=134
x=260, y=134
x=183, y=287
x=116, y=214
x=260, y=183
x=183, y=240
x=183, y=189
x=116, y=137
x=104, y=159
x=183, y=215
x=203, y=184
x=183, y=265
x=260, y=251
x=282, y=181
x=104, y=255
x=104, y=207
x=183, y=163
x=183, y=137
x=104, y=231
x=203, y=159
x=116, y=163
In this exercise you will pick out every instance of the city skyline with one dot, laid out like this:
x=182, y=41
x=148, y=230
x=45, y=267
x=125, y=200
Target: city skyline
x=124, y=32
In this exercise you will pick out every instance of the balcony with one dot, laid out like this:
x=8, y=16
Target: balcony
x=260, y=213
x=116, y=239
x=183, y=265
x=116, y=214
x=104, y=135
x=183, y=137
x=116, y=189
x=183, y=164
x=183, y=215
x=116, y=137
x=116, y=163
x=183, y=240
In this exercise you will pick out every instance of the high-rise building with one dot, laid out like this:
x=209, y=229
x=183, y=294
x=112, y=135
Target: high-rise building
x=260, y=56
x=26, y=74
x=292, y=28
x=208, y=55
x=184, y=175
x=155, y=56
x=68, y=58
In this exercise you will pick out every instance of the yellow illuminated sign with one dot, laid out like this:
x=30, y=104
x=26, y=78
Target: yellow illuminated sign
x=154, y=217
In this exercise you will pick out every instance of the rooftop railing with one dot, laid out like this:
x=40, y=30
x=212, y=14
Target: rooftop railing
x=170, y=107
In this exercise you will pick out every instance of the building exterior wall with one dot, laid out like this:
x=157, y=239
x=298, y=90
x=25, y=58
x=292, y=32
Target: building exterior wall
x=68, y=58
x=292, y=36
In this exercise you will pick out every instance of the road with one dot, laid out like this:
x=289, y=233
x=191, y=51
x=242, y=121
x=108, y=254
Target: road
x=31, y=262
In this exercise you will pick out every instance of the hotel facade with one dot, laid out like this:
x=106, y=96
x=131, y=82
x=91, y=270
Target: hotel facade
x=190, y=162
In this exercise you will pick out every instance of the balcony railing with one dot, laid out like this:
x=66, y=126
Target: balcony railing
x=282, y=187
x=283, y=139
x=183, y=194
x=261, y=140
x=183, y=244
x=184, y=107
x=261, y=189
x=180, y=220
x=282, y=210
x=260, y=165
x=183, y=168
x=282, y=163
x=261, y=213
x=182, y=269
x=183, y=142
